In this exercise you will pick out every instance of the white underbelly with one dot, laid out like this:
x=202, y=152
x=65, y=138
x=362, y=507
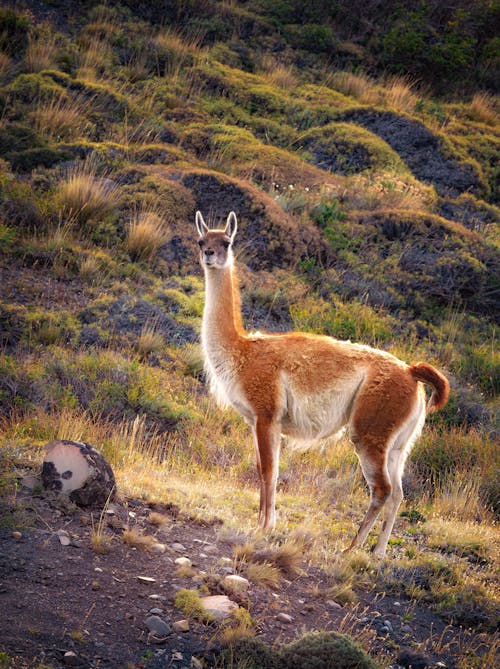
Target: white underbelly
x=313, y=416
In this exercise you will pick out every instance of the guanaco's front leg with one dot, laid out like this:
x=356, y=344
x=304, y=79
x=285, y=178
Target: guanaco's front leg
x=267, y=436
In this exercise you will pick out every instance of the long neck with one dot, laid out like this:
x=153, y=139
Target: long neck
x=222, y=321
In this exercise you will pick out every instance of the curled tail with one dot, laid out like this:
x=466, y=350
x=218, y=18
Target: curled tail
x=421, y=371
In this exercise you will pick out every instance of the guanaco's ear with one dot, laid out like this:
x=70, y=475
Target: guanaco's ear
x=231, y=226
x=201, y=226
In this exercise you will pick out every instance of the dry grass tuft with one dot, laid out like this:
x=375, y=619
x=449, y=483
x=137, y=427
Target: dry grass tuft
x=83, y=196
x=278, y=74
x=268, y=575
x=358, y=86
x=149, y=341
x=399, y=93
x=147, y=232
x=41, y=52
x=134, y=537
x=60, y=118
x=158, y=519
x=484, y=108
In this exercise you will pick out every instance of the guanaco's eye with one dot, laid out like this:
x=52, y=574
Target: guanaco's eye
x=226, y=244
x=200, y=243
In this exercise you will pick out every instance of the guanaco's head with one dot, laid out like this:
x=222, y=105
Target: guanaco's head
x=216, y=245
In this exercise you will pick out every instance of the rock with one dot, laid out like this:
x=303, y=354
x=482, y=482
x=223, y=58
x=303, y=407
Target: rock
x=157, y=598
x=388, y=624
x=181, y=626
x=178, y=548
x=146, y=579
x=30, y=481
x=235, y=583
x=409, y=658
x=71, y=659
x=158, y=549
x=156, y=612
x=332, y=604
x=17, y=535
x=158, y=626
x=284, y=618
x=183, y=562
x=220, y=606
x=79, y=470
x=64, y=537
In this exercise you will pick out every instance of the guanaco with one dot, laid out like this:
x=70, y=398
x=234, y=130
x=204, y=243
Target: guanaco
x=308, y=387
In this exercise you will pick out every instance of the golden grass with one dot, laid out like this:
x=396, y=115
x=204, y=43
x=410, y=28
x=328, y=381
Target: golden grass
x=158, y=519
x=83, y=196
x=278, y=74
x=60, y=118
x=146, y=234
x=359, y=86
x=137, y=539
x=41, y=52
x=399, y=93
x=149, y=341
x=484, y=108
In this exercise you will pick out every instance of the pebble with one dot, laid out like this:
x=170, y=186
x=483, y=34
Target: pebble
x=157, y=626
x=71, y=659
x=156, y=612
x=183, y=562
x=220, y=606
x=158, y=549
x=64, y=537
x=284, y=618
x=332, y=604
x=181, y=626
x=146, y=579
x=158, y=598
x=387, y=623
x=16, y=535
x=178, y=548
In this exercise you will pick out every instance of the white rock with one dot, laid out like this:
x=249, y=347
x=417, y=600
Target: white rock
x=284, y=618
x=332, y=604
x=220, y=606
x=236, y=583
x=64, y=537
x=158, y=549
x=146, y=579
x=183, y=562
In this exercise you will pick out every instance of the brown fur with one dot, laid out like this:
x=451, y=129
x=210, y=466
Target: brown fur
x=309, y=386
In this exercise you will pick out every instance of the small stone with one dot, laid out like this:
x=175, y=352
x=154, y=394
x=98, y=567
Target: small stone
x=64, y=537
x=17, y=535
x=210, y=548
x=156, y=612
x=226, y=561
x=236, y=583
x=96, y=585
x=442, y=665
x=181, y=626
x=146, y=579
x=183, y=562
x=333, y=605
x=158, y=549
x=71, y=659
x=396, y=604
x=178, y=548
x=158, y=598
x=388, y=624
x=284, y=618
x=98, y=569
x=157, y=626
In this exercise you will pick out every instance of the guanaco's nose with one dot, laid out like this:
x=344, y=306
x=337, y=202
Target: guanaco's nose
x=209, y=252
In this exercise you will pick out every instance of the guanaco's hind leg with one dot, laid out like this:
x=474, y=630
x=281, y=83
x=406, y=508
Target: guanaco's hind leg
x=381, y=413
x=267, y=434
x=396, y=460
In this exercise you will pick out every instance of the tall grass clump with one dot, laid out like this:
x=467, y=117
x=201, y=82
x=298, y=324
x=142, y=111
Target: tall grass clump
x=146, y=234
x=358, y=86
x=41, y=52
x=84, y=196
x=483, y=108
x=60, y=118
x=399, y=93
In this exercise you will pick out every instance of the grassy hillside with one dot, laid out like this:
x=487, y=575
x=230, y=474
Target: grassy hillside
x=368, y=210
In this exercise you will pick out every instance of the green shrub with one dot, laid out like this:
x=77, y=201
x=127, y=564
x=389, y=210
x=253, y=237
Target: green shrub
x=14, y=30
x=323, y=650
x=26, y=161
x=251, y=653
